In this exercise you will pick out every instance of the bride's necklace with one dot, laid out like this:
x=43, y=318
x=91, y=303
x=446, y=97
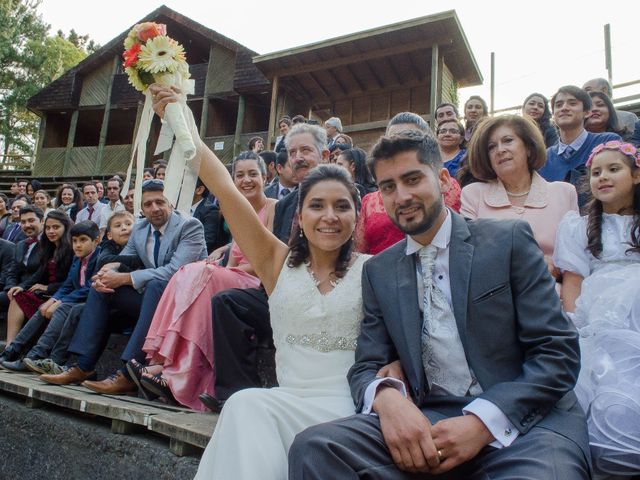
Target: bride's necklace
x=518, y=195
x=318, y=282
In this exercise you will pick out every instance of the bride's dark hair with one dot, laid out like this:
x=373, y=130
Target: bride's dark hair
x=299, y=244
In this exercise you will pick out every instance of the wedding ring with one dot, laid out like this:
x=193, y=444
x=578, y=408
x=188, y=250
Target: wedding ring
x=440, y=455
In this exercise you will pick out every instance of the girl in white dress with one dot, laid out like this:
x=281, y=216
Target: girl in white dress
x=599, y=255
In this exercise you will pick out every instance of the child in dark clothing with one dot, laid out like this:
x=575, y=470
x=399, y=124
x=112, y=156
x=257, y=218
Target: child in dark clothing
x=85, y=237
x=117, y=234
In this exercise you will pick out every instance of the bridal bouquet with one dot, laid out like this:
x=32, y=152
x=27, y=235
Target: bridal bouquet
x=151, y=56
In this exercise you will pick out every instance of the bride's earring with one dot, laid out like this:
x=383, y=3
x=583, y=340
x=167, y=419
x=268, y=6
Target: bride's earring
x=301, y=233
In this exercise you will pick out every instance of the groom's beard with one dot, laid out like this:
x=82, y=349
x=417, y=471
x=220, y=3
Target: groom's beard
x=425, y=217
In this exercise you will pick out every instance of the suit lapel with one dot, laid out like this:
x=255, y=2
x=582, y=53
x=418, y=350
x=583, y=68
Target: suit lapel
x=410, y=317
x=460, y=258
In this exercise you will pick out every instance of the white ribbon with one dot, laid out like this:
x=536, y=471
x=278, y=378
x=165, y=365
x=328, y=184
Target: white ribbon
x=182, y=169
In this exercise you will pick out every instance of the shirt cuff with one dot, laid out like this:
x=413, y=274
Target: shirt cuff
x=134, y=284
x=495, y=420
x=372, y=389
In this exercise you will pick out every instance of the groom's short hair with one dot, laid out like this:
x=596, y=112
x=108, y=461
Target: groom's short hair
x=426, y=149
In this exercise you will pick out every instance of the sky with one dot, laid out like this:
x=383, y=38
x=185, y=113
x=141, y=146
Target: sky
x=539, y=45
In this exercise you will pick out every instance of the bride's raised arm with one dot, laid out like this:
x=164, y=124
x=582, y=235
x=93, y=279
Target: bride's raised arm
x=264, y=251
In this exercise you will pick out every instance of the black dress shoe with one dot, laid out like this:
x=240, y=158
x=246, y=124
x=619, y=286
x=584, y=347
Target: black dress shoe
x=212, y=403
x=9, y=355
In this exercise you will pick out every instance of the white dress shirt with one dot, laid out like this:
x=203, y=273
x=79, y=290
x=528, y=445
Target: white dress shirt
x=107, y=211
x=493, y=418
x=193, y=208
x=83, y=214
x=575, y=145
x=149, y=246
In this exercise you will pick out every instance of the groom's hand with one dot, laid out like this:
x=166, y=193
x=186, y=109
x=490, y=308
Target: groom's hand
x=406, y=431
x=459, y=439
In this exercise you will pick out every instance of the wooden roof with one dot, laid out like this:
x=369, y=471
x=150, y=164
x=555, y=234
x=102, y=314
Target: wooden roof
x=195, y=37
x=394, y=55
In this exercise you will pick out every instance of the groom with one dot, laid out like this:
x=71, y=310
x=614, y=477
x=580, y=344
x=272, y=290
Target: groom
x=470, y=312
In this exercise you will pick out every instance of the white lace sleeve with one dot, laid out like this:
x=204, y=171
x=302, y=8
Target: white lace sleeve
x=571, y=252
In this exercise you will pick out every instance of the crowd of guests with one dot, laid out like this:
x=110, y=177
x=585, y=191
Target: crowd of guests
x=272, y=256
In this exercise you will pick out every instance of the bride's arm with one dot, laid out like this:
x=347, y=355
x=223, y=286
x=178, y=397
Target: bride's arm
x=263, y=250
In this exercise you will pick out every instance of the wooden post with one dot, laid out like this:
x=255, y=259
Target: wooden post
x=607, y=52
x=41, y=133
x=435, y=79
x=237, y=148
x=273, y=111
x=105, y=117
x=440, y=82
x=492, y=94
x=70, y=140
x=139, y=110
x=204, y=118
x=182, y=449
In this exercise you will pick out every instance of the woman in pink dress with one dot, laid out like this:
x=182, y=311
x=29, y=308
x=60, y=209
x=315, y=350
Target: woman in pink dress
x=179, y=344
x=504, y=153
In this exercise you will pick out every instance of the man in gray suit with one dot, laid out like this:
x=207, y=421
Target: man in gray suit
x=490, y=361
x=164, y=241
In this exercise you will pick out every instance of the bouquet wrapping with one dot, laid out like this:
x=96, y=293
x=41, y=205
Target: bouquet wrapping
x=152, y=57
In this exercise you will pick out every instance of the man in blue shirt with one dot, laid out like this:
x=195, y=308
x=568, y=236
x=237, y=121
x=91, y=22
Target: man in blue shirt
x=571, y=106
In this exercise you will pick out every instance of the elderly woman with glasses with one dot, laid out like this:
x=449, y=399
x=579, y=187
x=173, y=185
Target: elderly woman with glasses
x=450, y=136
x=504, y=154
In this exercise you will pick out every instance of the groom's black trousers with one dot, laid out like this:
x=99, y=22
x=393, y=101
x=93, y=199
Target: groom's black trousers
x=241, y=324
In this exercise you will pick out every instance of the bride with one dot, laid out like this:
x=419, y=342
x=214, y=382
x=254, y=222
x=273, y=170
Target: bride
x=316, y=308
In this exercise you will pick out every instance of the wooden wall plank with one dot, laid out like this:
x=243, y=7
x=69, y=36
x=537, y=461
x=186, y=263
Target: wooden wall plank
x=96, y=85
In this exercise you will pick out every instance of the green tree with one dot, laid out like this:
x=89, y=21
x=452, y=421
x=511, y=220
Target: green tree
x=29, y=60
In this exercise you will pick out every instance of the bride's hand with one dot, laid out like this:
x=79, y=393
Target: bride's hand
x=162, y=96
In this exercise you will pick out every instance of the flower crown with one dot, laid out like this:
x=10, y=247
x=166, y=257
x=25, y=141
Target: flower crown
x=626, y=149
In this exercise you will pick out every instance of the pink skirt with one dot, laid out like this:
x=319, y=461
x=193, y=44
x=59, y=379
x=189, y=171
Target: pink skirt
x=181, y=333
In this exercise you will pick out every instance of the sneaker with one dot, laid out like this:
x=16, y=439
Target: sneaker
x=15, y=366
x=44, y=366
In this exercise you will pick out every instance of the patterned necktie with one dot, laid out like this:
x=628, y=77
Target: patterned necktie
x=156, y=246
x=443, y=355
x=568, y=152
x=90, y=210
x=284, y=192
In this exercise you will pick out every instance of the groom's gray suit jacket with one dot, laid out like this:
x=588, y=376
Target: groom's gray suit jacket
x=522, y=349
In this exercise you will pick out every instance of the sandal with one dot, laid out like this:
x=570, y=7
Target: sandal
x=159, y=386
x=136, y=370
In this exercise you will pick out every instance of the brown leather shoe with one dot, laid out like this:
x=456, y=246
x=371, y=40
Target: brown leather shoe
x=115, y=384
x=72, y=376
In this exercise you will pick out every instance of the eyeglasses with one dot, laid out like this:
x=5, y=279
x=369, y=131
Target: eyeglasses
x=452, y=131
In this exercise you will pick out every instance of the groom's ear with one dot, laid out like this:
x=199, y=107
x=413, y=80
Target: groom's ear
x=445, y=180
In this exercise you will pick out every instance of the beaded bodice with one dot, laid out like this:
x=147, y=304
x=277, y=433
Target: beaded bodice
x=301, y=315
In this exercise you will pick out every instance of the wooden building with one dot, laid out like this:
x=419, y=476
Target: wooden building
x=89, y=115
x=365, y=78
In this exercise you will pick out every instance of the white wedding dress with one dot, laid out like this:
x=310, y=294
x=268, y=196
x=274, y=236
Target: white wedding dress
x=607, y=316
x=315, y=338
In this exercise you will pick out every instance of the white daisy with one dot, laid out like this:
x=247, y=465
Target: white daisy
x=161, y=54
